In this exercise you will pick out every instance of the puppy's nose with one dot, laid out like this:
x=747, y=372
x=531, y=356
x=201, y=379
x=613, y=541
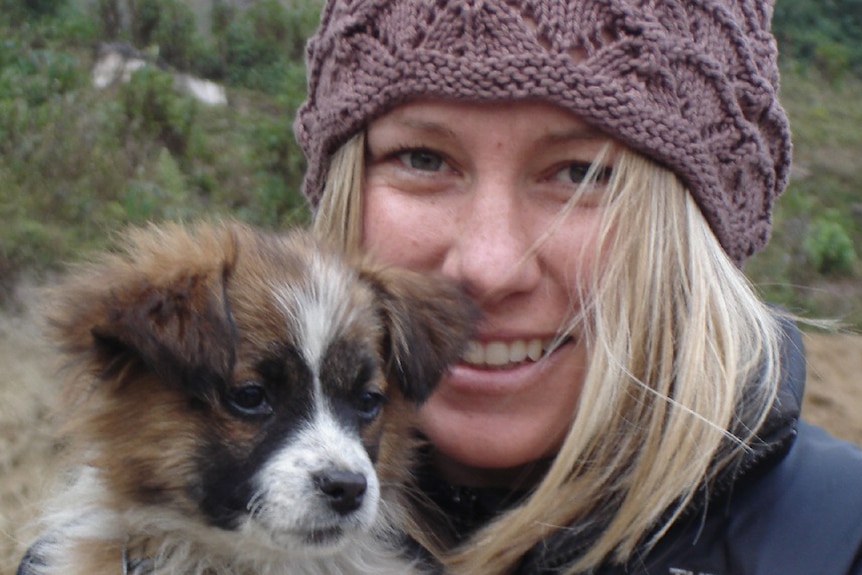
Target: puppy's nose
x=344, y=490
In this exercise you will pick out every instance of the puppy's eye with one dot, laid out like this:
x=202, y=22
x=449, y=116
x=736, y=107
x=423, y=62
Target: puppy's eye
x=250, y=399
x=369, y=404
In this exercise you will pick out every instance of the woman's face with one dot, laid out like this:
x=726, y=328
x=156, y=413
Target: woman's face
x=469, y=190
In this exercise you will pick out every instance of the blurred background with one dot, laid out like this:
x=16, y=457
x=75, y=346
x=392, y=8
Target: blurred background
x=117, y=112
x=85, y=150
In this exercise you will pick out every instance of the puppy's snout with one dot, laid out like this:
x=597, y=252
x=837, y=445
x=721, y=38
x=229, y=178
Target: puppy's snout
x=344, y=490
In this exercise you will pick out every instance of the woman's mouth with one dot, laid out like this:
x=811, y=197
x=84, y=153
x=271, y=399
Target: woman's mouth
x=503, y=354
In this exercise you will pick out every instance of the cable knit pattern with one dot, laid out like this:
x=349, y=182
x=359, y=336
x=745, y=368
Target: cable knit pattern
x=689, y=83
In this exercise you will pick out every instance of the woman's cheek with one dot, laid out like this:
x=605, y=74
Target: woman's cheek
x=404, y=229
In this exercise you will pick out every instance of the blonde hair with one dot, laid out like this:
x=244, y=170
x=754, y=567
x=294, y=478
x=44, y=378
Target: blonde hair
x=338, y=217
x=677, y=337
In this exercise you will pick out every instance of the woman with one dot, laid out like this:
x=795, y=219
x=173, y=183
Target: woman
x=595, y=173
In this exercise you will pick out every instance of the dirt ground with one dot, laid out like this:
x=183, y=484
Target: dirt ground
x=28, y=456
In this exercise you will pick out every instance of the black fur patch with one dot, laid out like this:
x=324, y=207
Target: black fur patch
x=227, y=485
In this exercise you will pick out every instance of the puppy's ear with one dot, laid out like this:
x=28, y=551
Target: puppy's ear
x=428, y=322
x=182, y=332
x=160, y=306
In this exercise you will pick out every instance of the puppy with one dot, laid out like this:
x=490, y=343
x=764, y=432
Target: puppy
x=241, y=403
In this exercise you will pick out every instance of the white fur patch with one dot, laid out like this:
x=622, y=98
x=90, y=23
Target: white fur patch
x=186, y=546
x=317, y=309
x=288, y=506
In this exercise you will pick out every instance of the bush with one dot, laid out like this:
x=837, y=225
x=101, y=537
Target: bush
x=833, y=60
x=167, y=26
x=19, y=11
x=153, y=108
x=35, y=76
x=164, y=195
x=44, y=7
x=109, y=18
x=259, y=45
x=809, y=31
x=828, y=247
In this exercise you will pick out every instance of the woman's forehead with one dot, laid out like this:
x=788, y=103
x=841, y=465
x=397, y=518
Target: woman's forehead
x=447, y=118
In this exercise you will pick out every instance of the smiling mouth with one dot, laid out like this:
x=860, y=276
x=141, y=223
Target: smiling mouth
x=503, y=354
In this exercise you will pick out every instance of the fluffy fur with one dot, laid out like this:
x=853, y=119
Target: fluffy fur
x=240, y=403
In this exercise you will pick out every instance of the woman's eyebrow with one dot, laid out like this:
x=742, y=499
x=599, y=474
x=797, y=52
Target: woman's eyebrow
x=427, y=126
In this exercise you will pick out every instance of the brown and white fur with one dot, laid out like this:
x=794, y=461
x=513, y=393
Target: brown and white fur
x=241, y=404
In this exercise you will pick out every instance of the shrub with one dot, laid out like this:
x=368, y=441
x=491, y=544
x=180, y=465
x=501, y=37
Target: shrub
x=807, y=31
x=168, y=26
x=44, y=7
x=259, y=44
x=19, y=11
x=828, y=246
x=35, y=76
x=833, y=61
x=154, y=108
x=109, y=18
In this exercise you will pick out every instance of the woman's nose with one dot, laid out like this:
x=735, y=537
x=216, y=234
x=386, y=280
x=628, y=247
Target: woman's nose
x=492, y=253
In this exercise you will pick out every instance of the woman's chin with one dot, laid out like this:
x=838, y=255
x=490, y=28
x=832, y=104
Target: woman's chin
x=482, y=438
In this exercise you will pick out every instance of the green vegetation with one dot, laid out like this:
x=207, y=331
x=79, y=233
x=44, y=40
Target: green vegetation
x=812, y=264
x=77, y=163
x=823, y=35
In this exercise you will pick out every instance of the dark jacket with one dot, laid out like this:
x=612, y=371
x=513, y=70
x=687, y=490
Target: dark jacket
x=792, y=507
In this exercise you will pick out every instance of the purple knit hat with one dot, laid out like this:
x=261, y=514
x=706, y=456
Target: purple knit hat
x=689, y=83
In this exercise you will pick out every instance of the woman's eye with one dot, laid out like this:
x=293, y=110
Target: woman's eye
x=576, y=173
x=420, y=159
x=250, y=399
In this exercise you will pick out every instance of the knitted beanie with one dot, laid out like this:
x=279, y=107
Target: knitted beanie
x=690, y=84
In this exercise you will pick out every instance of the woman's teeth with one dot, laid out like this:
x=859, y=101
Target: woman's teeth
x=503, y=353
